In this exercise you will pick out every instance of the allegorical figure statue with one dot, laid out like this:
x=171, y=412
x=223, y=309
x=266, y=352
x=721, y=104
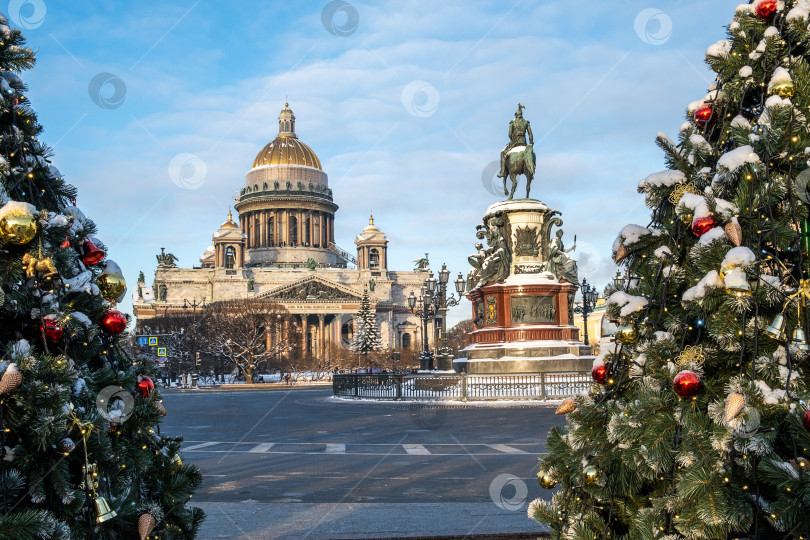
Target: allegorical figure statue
x=560, y=262
x=517, y=157
x=492, y=264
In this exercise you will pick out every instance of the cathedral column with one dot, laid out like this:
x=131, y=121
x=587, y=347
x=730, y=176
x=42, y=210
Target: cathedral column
x=283, y=227
x=304, y=331
x=321, y=337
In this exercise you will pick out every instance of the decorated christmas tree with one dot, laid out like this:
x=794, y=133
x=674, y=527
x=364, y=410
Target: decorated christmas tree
x=366, y=333
x=81, y=454
x=698, y=424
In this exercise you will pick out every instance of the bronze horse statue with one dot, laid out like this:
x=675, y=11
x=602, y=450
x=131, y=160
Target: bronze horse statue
x=519, y=162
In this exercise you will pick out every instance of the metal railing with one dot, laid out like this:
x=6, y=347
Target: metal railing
x=462, y=387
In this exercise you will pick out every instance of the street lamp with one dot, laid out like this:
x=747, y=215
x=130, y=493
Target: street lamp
x=433, y=303
x=194, y=304
x=618, y=280
x=589, y=298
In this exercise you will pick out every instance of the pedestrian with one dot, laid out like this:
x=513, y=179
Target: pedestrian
x=287, y=378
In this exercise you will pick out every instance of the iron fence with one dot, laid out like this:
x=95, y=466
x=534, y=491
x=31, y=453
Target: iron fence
x=462, y=387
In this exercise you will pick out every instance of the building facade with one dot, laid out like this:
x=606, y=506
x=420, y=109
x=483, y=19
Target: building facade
x=282, y=249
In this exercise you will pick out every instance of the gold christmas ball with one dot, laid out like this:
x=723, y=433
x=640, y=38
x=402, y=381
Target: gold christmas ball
x=783, y=89
x=545, y=479
x=112, y=285
x=590, y=474
x=18, y=227
x=627, y=334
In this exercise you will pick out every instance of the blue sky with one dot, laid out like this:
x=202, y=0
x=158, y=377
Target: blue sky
x=406, y=104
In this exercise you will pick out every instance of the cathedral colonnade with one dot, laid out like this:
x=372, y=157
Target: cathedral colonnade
x=288, y=227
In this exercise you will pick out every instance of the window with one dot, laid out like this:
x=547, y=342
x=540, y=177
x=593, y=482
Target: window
x=406, y=340
x=230, y=257
x=271, y=236
x=347, y=333
x=374, y=258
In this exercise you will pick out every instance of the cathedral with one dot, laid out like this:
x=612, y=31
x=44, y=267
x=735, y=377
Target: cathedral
x=282, y=249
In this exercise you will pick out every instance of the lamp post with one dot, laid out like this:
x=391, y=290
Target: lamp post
x=194, y=304
x=433, y=304
x=589, y=298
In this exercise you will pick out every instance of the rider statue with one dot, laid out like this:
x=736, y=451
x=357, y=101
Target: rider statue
x=518, y=128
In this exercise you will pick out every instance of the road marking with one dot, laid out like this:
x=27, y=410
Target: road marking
x=416, y=449
x=261, y=448
x=197, y=446
x=507, y=449
x=336, y=448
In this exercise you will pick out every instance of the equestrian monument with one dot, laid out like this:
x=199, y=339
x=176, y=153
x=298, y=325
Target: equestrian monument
x=523, y=281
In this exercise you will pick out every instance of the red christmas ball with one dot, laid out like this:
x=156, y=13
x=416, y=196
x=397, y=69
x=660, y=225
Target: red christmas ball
x=600, y=373
x=51, y=328
x=686, y=383
x=114, y=322
x=766, y=9
x=806, y=420
x=704, y=115
x=145, y=385
x=90, y=253
x=701, y=225
x=65, y=243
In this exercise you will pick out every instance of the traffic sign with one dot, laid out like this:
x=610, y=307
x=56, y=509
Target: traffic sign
x=161, y=351
x=153, y=341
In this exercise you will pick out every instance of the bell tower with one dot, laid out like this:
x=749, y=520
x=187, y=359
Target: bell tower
x=372, y=249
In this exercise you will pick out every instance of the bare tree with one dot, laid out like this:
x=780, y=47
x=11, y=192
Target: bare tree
x=179, y=334
x=251, y=334
x=458, y=337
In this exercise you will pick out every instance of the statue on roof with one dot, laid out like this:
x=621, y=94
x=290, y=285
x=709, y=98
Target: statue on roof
x=517, y=157
x=166, y=260
x=422, y=264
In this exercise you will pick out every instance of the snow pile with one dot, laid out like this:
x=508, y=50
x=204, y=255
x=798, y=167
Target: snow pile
x=662, y=253
x=692, y=201
x=736, y=279
x=737, y=158
x=715, y=233
x=209, y=252
x=58, y=220
x=776, y=101
x=742, y=9
x=630, y=234
x=741, y=122
x=738, y=257
x=628, y=302
x=700, y=143
x=721, y=49
x=780, y=76
x=770, y=396
x=757, y=53
x=663, y=178
x=772, y=281
x=800, y=11
x=16, y=207
x=771, y=31
x=712, y=280
x=82, y=318
x=80, y=282
x=746, y=71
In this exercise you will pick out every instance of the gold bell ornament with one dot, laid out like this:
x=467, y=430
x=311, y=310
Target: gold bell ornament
x=103, y=510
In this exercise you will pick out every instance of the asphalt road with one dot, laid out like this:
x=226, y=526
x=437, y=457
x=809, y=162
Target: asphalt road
x=304, y=446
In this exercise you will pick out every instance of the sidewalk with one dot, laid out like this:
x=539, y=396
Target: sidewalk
x=250, y=387
x=250, y=520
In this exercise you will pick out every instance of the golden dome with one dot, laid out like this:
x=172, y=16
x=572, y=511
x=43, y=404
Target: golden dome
x=286, y=149
x=229, y=224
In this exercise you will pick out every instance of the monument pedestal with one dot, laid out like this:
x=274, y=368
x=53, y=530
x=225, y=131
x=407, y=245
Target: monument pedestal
x=524, y=322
